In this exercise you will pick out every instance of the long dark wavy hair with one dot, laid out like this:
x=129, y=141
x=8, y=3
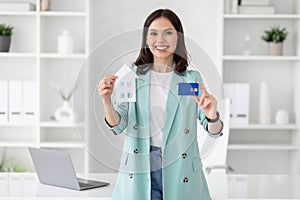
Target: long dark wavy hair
x=145, y=58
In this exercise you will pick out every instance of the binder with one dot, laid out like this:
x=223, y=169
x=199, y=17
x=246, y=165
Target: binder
x=239, y=94
x=3, y=102
x=29, y=101
x=230, y=94
x=15, y=101
x=242, y=94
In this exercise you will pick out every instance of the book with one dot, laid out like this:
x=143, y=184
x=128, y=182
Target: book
x=255, y=2
x=256, y=9
x=16, y=6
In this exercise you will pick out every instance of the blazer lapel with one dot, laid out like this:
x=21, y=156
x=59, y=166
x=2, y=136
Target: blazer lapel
x=143, y=92
x=171, y=106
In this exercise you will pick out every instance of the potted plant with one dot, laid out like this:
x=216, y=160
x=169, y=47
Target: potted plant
x=5, y=37
x=275, y=38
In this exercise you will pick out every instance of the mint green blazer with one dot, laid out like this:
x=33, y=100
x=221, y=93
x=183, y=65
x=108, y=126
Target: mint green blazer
x=183, y=176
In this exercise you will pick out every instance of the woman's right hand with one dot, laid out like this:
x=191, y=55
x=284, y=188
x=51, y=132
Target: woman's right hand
x=106, y=87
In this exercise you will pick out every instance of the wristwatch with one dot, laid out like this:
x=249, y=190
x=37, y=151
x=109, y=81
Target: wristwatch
x=213, y=120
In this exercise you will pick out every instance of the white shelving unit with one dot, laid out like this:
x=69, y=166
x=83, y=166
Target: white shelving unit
x=33, y=56
x=263, y=147
x=255, y=148
x=265, y=127
x=260, y=58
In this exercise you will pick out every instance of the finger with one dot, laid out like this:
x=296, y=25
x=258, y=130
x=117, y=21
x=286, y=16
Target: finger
x=202, y=99
x=110, y=77
x=107, y=82
x=103, y=87
x=202, y=88
x=105, y=92
x=195, y=99
x=206, y=103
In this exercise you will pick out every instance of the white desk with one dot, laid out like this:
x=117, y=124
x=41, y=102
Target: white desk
x=26, y=186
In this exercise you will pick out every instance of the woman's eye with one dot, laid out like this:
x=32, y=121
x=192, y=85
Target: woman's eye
x=153, y=34
x=169, y=32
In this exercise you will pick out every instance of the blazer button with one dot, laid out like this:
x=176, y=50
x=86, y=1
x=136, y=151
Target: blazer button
x=130, y=175
x=184, y=155
x=135, y=127
x=185, y=180
x=221, y=134
x=135, y=151
x=186, y=131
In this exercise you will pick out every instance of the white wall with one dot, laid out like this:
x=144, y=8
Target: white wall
x=202, y=23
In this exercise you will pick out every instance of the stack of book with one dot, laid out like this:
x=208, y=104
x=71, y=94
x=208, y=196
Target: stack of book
x=256, y=7
x=16, y=6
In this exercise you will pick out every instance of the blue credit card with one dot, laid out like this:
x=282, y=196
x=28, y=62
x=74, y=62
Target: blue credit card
x=188, y=89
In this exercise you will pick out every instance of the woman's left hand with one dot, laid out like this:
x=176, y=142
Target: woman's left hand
x=207, y=103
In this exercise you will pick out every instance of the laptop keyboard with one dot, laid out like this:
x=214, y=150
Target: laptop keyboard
x=84, y=185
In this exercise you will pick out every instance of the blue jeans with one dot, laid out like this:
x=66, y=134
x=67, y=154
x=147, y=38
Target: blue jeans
x=156, y=173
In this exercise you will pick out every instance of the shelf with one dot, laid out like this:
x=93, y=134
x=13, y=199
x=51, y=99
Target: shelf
x=20, y=125
x=61, y=145
x=57, y=55
x=17, y=55
x=62, y=14
x=265, y=127
x=260, y=58
x=262, y=147
x=53, y=124
x=261, y=16
x=17, y=144
x=28, y=13
x=46, y=14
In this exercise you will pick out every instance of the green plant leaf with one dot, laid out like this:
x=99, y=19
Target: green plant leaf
x=6, y=30
x=275, y=34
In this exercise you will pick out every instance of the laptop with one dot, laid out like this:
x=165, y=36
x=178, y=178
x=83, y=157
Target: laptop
x=55, y=168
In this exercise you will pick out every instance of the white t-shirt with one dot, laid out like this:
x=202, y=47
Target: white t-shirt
x=159, y=90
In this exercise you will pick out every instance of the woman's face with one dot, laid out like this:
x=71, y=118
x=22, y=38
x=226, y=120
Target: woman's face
x=162, y=38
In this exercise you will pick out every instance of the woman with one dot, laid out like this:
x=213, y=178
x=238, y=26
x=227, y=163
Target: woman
x=161, y=158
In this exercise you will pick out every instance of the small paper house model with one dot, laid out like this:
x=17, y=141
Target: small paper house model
x=125, y=86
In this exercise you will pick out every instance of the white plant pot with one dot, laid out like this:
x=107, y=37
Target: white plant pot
x=264, y=104
x=275, y=49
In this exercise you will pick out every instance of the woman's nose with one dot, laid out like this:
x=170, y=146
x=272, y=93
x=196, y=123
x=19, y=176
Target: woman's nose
x=160, y=37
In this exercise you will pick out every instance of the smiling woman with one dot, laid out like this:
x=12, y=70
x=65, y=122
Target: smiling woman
x=161, y=159
x=163, y=38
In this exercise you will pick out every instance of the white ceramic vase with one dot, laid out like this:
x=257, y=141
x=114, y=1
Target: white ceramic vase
x=45, y=5
x=282, y=117
x=264, y=104
x=65, y=113
x=65, y=43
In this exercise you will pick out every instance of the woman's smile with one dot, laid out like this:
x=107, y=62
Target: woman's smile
x=161, y=48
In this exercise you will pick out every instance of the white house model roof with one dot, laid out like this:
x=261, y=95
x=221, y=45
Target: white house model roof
x=124, y=71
